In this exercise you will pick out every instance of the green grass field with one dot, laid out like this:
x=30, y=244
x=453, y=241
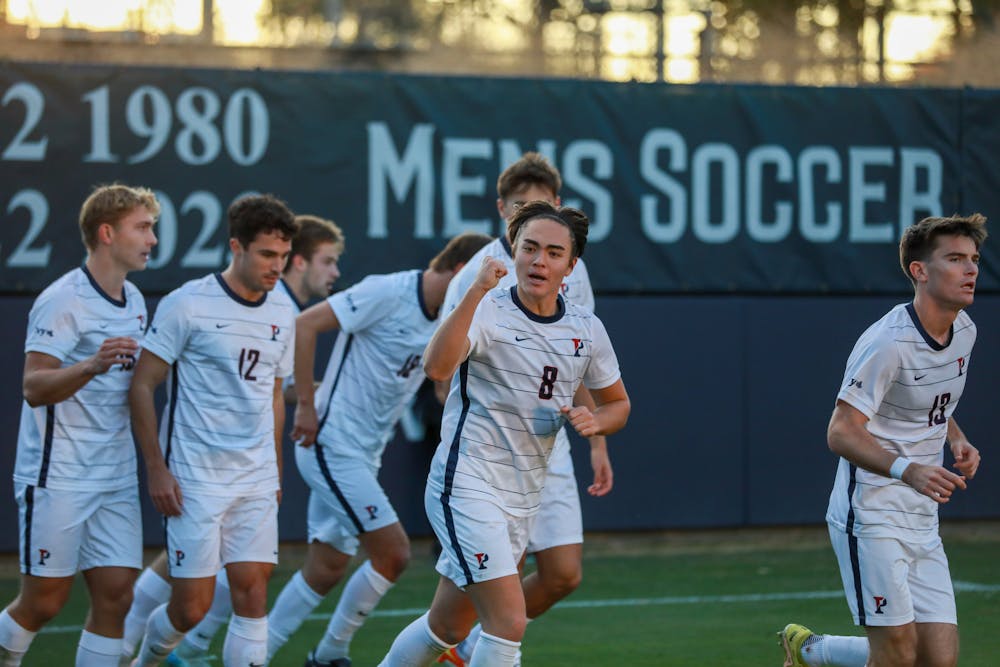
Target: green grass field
x=684, y=599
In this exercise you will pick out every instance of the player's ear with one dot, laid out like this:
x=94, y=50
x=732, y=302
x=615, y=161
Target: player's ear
x=572, y=264
x=105, y=233
x=918, y=270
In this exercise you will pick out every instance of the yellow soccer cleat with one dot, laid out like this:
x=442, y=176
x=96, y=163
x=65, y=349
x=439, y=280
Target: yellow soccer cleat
x=451, y=657
x=792, y=639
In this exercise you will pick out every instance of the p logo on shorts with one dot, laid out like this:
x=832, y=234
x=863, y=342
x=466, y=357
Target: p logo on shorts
x=481, y=559
x=178, y=557
x=372, y=511
x=43, y=555
x=879, y=603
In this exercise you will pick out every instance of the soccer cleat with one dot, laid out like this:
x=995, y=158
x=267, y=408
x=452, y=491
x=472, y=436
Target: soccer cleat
x=311, y=661
x=792, y=639
x=174, y=660
x=451, y=656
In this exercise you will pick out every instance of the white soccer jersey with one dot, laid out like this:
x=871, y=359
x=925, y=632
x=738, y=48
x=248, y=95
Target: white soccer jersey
x=576, y=287
x=908, y=385
x=84, y=442
x=217, y=429
x=375, y=367
x=503, y=410
x=297, y=307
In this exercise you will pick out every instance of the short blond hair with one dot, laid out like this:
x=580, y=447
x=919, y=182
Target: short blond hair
x=108, y=204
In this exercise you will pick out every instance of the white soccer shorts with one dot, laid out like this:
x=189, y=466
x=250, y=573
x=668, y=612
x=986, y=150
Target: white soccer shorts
x=559, y=520
x=891, y=582
x=62, y=532
x=213, y=531
x=479, y=541
x=345, y=499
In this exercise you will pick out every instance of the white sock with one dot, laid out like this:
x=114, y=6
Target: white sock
x=14, y=641
x=150, y=591
x=98, y=651
x=468, y=645
x=836, y=651
x=246, y=641
x=415, y=646
x=363, y=591
x=161, y=638
x=199, y=638
x=294, y=603
x=492, y=651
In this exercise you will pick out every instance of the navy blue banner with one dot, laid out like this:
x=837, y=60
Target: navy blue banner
x=689, y=188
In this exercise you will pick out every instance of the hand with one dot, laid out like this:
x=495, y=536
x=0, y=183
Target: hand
x=305, y=426
x=935, y=482
x=165, y=492
x=119, y=350
x=582, y=419
x=604, y=477
x=490, y=273
x=966, y=458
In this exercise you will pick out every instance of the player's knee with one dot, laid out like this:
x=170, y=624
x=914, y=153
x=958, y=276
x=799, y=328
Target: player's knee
x=560, y=583
x=39, y=610
x=322, y=576
x=392, y=563
x=508, y=624
x=250, y=599
x=899, y=651
x=186, y=614
x=112, y=601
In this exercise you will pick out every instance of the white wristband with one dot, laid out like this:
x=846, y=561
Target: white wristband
x=898, y=466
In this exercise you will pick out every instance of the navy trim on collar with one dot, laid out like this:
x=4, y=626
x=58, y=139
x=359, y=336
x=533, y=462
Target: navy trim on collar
x=923, y=332
x=107, y=297
x=560, y=308
x=420, y=297
x=506, y=245
x=291, y=295
x=236, y=297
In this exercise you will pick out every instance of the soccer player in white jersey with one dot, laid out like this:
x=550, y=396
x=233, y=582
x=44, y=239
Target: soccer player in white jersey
x=224, y=342
x=521, y=355
x=75, y=474
x=893, y=417
x=374, y=371
x=310, y=273
x=556, y=538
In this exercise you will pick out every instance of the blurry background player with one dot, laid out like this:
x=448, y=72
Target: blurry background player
x=556, y=537
x=373, y=374
x=521, y=355
x=224, y=341
x=893, y=416
x=310, y=273
x=75, y=475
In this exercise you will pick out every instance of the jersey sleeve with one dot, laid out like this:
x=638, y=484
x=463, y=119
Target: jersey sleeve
x=586, y=296
x=483, y=322
x=458, y=286
x=871, y=369
x=286, y=364
x=169, y=330
x=603, y=370
x=363, y=304
x=52, y=326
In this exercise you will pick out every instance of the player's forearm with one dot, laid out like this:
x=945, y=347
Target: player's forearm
x=140, y=401
x=449, y=344
x=54, y=385
x=305, y=358
x=611, y=417
x=853, y=442
x=955, y=434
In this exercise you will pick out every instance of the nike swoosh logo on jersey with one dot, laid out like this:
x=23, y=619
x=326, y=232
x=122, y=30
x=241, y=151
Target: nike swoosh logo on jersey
x=220, y=326
x=519, y=339
x=920, y=377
